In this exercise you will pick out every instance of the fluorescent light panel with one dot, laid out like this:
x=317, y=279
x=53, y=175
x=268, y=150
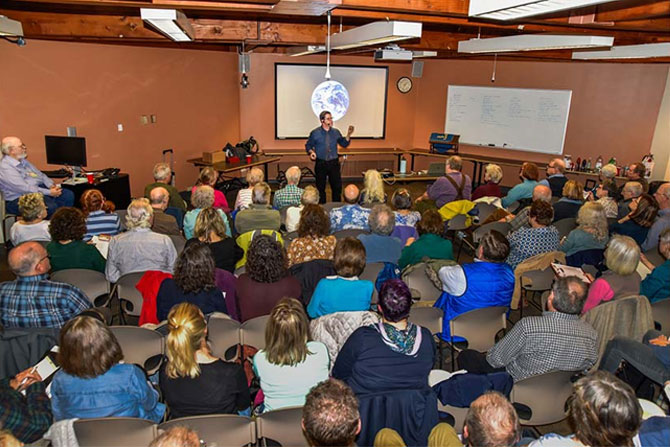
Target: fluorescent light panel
x=9, y=27
x=532, y=42
x=174, y=24
x=627, y=52
x=418, y=54
x=375, y=33
x=517, y=9
x=305, y=50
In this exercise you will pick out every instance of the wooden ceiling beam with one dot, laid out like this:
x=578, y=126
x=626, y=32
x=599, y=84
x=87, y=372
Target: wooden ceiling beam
x=458, y=7
x=184, y=5
x=658, y=8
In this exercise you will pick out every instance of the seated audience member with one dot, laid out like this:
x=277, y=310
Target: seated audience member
x=621, y=258
x=556, y=340
x=314, y=240
x=211, y=229
x=602, y=411
x=651, y=357
x=591, y=232
x=259, y=215
x=99, y=218
x=290, y=364
x=177, y=436
x=31, y=300
x=529, y=175
x=656, y=286
x=32, y=226
x=606, y=194
x=266, y=279
x=18, y=177
x=629, y=192
x=454, y=185
x=401, y=200
x=568, y=205
x=344, y=292
x=139, y=249
x=92, y=381
x=27, y=417
x=608, y=173
x=636, y=224
x=373, y=189
x=491, y=421
x=162, y=177
x=330, y=415
x=351, y=216
x=635, y=173
x=379, y=245
x=556, y=178
x=290, y=194
x=208, y=177
x=310, y=196
x=193, y=282
x=254, y=177
x=387, y=366
x=520, y=219
x=162, y=223
x=540, y=237
x=493, y=175
x=487, y=282
x=202, y=198
x=430, y=244
x=662, y=222
x=193, y=381
x=67, y=250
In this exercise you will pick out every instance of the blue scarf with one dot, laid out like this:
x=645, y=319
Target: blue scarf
x=405, y=342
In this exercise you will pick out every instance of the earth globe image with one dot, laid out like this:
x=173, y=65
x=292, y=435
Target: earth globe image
x=331, y=96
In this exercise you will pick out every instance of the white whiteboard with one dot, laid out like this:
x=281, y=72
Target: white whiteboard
x=524, y=119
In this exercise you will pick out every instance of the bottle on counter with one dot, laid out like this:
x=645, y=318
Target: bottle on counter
x=567, y=159
x=578, y=164
x=583, y=168
x=612, y=161
x=648, y=162
x=588, y=165
x=599, y=163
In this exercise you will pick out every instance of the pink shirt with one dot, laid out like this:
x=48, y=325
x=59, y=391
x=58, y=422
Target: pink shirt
x=599, y=291
x=220, y=201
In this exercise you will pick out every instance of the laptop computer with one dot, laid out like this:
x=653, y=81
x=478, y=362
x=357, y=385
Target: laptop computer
x=436, y=169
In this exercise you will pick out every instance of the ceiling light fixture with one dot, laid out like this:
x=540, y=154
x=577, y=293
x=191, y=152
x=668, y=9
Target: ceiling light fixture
x=647, y=50
x=418, y=54
x=518, y=9
x=305, y=50
x=375, y=33
x=171, y=22
x=532, y=42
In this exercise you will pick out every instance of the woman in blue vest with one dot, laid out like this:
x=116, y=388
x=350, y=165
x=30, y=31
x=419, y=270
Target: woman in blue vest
x=487, y=282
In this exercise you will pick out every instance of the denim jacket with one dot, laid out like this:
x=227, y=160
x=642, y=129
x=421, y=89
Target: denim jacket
x=122, y=391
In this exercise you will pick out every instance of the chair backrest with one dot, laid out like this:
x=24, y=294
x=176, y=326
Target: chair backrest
x=122, y=218
x=288, y=238
x=178, y=241
x=222, y=333
x=330, y=205
x=91, y=282
x=177, y=213
x=565, y=226
x=370, y=273
x=485, y=210
x=661, y=314
x=654, y=256
x=458, y=222
x=421, y=286
x=282, y=214
x=545, y=395
x=512, y=207
x=252, y=332
x=349, y=233
x=283, y=425
x=428, y=317
x=129, y=297
x=502, y=227
x=538, y=280
x=114, y=431
x=218, y=429
x=141, y=346
x=480, y=326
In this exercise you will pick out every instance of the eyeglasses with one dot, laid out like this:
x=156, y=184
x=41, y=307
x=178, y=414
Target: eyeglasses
x=23, y=146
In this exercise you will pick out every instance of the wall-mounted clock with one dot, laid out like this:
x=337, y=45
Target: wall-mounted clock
x=404, y=84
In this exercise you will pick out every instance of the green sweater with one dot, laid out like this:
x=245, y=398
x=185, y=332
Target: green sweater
x=175, y=199
x=579, y=240
x=75, y=255
x=656, y=286
x=428, y=245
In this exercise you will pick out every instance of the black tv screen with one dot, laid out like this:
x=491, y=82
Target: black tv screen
x=69, y=151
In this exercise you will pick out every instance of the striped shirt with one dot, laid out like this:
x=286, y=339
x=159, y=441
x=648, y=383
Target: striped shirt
x=99, y=222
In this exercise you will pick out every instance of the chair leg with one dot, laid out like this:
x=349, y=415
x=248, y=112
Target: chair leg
x=453, y=355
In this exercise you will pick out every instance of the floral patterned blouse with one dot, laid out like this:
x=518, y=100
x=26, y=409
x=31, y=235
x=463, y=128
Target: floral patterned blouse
x=304, y=249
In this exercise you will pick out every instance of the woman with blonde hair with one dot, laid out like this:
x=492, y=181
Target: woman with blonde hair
x=193, y=381
x=291, y=364
x=591, y=232
x=211, y=229
x=621, y=258
x=493, y=175
x=373, y=188
x=100, y=215
x=254, y=177
x=208, y=177
x=568, y=206
x=32, y=226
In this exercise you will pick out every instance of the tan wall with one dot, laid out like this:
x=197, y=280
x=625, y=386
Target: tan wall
x=51, y=85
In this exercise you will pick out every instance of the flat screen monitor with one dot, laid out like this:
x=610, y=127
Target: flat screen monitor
x=69, y=151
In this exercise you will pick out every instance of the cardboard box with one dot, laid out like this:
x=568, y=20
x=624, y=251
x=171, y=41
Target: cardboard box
x=214, y=157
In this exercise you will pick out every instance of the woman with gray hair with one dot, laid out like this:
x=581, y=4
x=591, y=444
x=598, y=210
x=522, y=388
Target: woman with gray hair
x=202, y=197
x=254, y=177
x=32, y=226
x=493, y=175
x=310, y=196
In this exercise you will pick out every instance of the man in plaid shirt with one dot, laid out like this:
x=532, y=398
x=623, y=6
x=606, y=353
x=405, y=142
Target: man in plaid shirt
x=290, y=194
x=540, y=192
x=26, y=417
x=557, y=340
x=32, y=300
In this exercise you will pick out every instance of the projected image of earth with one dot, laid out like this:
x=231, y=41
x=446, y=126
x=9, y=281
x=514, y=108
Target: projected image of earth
x=331, y=96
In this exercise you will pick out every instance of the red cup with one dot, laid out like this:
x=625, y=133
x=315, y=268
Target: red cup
x=89, y=177
x=248, y=158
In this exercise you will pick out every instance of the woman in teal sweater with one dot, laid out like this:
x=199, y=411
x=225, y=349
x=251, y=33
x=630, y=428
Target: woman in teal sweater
x=430, y=244
x=656, y=286
x=591, y=232
x=67, y=250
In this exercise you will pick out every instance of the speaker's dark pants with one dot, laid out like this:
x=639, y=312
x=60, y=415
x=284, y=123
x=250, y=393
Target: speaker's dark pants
x=330, y=169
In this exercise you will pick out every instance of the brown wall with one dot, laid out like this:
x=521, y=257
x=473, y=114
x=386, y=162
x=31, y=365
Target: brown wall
x=48, y=86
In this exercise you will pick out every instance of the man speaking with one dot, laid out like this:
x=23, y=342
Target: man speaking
x=322, y=148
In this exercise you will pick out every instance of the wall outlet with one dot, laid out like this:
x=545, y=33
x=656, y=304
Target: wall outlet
x=71, y=131
x=153, y=119
x=119, y=127
x=144, y=120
